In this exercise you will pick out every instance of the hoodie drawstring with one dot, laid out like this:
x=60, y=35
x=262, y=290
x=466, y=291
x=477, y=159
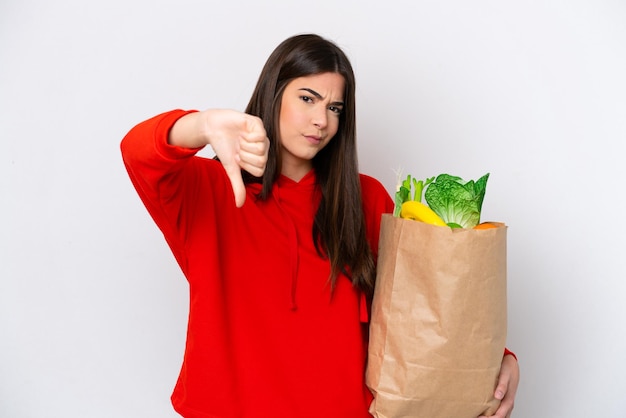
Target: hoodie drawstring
x=293, y=251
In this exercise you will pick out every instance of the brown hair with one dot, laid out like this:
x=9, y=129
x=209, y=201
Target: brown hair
x=339, y=226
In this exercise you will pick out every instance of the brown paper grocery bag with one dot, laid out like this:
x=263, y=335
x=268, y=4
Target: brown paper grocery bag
x=438, y=323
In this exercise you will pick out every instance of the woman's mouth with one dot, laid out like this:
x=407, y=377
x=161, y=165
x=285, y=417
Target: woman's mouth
x=313, y=139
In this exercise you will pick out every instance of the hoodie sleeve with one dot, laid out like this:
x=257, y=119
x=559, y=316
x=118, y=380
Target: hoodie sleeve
x=167, y=178
x=147, y=155
x=376, y=201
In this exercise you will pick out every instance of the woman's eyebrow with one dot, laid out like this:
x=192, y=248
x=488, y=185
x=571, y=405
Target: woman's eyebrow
x=319, y=96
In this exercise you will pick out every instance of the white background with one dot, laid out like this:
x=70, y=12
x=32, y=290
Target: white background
x=92, y=305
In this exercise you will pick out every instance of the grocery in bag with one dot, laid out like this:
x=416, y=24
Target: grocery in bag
x=439, y=319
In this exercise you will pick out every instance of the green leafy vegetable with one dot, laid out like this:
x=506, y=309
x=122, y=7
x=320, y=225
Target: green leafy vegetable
x=456, y=201
x=403, y=193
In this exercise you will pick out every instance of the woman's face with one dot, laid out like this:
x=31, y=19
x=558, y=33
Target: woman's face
x=309, y=119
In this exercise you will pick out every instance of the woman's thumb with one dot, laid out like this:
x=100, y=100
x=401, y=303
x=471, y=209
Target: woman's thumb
x=233, y=171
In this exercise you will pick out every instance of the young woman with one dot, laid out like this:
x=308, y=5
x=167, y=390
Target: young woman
x=277, y=238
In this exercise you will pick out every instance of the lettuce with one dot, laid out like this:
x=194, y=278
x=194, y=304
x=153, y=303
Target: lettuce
x=457, y=202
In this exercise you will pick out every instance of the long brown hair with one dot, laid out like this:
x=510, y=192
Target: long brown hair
x=339, y=226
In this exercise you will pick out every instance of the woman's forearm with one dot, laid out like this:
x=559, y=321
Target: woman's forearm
x=188, y=131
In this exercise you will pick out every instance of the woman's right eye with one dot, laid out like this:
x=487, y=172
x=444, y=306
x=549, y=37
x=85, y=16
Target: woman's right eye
x=306, y=99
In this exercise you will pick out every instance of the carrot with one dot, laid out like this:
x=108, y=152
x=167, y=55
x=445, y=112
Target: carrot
x=485, y=225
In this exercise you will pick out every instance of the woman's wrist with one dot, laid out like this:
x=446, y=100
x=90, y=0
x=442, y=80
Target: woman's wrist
x=508, y=352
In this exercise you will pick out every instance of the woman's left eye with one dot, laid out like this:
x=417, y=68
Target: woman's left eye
x=335, y=109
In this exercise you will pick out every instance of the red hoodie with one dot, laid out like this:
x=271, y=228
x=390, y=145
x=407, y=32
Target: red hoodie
x=265, y=336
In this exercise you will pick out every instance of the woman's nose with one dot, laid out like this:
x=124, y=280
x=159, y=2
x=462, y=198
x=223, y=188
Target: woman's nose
x=320, y=118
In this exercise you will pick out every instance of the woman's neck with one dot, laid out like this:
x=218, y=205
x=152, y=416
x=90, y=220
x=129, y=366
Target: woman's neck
x=296, y=172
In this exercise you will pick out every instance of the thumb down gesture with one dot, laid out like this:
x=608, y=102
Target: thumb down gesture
x=239, y=140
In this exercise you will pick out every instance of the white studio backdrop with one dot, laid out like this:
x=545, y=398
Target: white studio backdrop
x=92, y=305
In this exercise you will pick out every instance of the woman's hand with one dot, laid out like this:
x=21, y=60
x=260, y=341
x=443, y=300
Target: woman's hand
x=507, y=387
x=239, y=140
